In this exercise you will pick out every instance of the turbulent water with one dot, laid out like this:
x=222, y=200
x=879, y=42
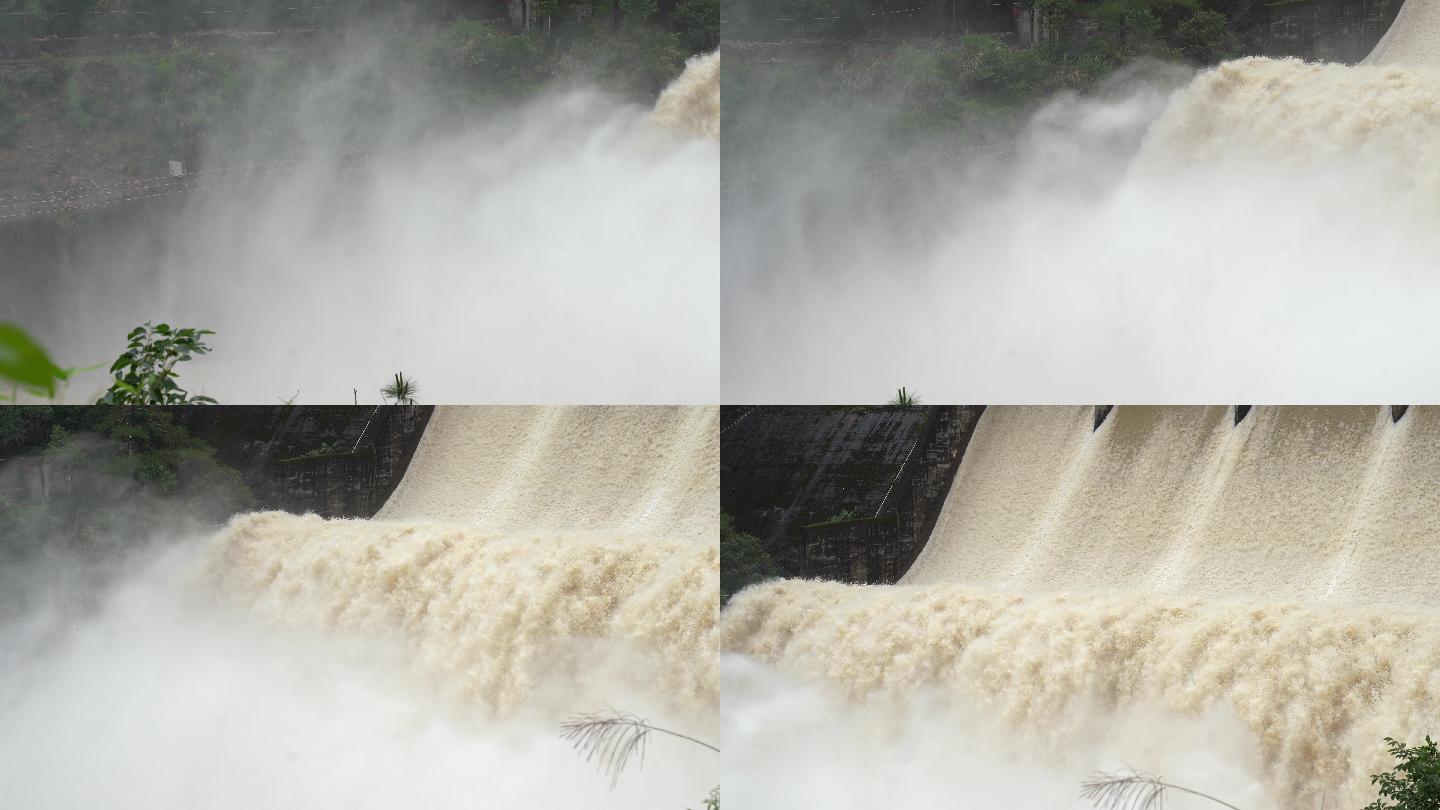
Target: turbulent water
x=567, y=248
x=1169, y=563
x=691, y=105
x=1383, y=119
x=1263, y=230
x=572, y=538
x=426, y=657
x=490, y=617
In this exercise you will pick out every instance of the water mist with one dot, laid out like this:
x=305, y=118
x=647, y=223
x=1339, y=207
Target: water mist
x=1263, y=231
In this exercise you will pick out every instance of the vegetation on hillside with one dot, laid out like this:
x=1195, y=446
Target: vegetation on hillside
x=743, y=560
x=927, y=84
x=107, y=471
x=696, y=22
x=1106, y=29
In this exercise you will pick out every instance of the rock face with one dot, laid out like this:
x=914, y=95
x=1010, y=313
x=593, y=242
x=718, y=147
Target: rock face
x=843, y=493
x=334, y=461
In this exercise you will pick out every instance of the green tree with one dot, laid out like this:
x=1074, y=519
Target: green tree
x=145, y=373
x=743, y=559
x=697, y=23
x=1204, y=37
x=1131, y=25
x=1414, y=784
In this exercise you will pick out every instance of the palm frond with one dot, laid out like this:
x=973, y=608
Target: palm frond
x=1124, y=790
x=613, y=738
x=610, y=739
x=1129, y=789
x=403, y=390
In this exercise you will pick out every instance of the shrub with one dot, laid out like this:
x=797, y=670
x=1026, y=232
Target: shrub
x=1000, y=73
x=41, y=79
x=697, y=24
x=1414, y=784
x=1204, y=37
x=636, y=60
x=503, y=62
x=743, y=560
x=145, y=374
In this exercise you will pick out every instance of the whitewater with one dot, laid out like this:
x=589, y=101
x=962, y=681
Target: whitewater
x=534, y=563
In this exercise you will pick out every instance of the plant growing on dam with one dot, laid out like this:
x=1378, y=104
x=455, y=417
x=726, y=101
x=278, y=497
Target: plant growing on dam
x=145, y=373
x=1414, y=784
x=402, y=390
x=904, y=398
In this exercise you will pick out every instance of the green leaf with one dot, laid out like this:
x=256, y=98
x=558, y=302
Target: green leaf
x=23, y=361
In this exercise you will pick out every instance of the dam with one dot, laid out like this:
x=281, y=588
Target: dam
x=1171, y=561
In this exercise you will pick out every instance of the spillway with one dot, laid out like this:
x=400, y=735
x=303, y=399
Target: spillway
x=1170, y=560
x=645, y=469
x=1411, y=38
x=519, y=538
